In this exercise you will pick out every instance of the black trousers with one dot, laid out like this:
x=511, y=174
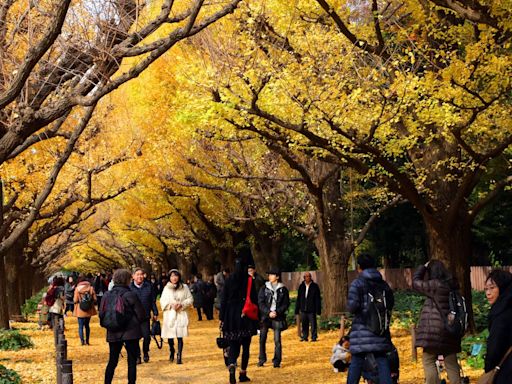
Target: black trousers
x=132, y=348
x=146, y=337
x=199, y=315
x=234, y=351
x=307, y=318
x=208, y=310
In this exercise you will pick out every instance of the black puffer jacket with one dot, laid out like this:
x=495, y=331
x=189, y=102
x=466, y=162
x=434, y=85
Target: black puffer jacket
x=134, y=307
x=362, y=339
x=431, y=333
x=500, y=336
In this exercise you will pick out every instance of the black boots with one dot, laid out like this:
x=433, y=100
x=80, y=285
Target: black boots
x=178, y=358
x=243, y=377
x=171, y=347
x=232, y=377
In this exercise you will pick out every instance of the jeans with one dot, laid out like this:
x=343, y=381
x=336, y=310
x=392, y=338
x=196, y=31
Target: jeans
x=132, y=348
x=69, y=307
x=83, y=322
x=450, y=362
x=356, y=367
x=276, y=326
x=146, y=335
x=307, y=318
x=234, y=352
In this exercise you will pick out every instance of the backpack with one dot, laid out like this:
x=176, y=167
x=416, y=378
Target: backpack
x=378, y=315
x=86, y=302
x=113, y=314
x=49, y=299
x=457, y=319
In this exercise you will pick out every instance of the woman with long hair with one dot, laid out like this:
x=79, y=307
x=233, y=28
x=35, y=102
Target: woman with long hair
x=175, y=299
x=435, y=282
x=237, y=328
x=498, y=290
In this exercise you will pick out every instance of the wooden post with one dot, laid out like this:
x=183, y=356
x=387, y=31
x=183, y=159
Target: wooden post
x=414, y=352
x=342, y=325
x=67, y=372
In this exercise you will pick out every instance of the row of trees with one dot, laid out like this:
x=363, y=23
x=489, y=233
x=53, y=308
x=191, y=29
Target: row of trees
x=291, y=119
x=309, y=119
x=59, y=159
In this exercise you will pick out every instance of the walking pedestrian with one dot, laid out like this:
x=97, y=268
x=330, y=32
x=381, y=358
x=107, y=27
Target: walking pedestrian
x=364, y=338
x=435, y=282
x=69, y=292
x=55, y=300
x=210, y=293
x=144, y=291
x=84, y=300
x=237, y=328
x=220, y=280
x=175, y=300
x=130, y=333
x=198, y=292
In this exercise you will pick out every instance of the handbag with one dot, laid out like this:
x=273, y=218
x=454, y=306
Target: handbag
x=489, y=377
x=222, y=342
x=250, y=310
x=156, y=330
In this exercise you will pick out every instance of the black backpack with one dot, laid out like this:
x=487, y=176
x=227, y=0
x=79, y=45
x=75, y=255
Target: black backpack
x=457, y=318
x=86, y=302
x=378, y=315
x=113, y=314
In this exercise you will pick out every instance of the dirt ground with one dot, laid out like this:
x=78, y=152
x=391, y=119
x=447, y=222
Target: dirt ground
x=202, y=360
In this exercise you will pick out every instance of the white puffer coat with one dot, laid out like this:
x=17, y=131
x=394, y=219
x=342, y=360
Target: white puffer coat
x=175, y=322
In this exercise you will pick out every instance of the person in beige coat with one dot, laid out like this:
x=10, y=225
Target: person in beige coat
x=84, y=300
x=175, y=299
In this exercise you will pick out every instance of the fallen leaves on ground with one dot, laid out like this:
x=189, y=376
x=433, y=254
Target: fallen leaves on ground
x=202, y=360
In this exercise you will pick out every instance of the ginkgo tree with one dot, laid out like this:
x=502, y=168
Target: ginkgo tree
x=414, y=95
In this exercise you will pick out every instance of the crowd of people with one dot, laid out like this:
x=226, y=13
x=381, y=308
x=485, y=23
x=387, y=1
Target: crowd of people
x=249, y=304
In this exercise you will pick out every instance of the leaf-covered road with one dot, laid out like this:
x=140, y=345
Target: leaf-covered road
x=202, y=360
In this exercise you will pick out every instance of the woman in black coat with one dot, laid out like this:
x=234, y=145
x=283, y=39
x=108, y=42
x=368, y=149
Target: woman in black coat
x=131, y=334
x=498, y=290
x=237, y=328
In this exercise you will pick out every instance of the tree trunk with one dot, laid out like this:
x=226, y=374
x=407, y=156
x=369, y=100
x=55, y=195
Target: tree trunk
x=4, y=310
x=266, y=252
x=333, y=245
x=452, y=246
x=334, y=259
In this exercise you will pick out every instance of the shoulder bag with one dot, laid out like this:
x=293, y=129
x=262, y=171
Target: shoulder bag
x=489, y=377
x=250, y=310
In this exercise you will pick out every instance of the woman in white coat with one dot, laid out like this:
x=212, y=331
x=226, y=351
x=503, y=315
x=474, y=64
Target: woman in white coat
x=175, y=299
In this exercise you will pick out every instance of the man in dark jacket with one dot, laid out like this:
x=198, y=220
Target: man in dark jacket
x=309, y=305
x=144, y=291
x=130, y=335
x=257, y=280
x=273, y=302
x=362, y=339
x=198, y=289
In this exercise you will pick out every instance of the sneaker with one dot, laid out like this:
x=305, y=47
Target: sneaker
x=261, y=363
x=146, y=358
x=277, y=365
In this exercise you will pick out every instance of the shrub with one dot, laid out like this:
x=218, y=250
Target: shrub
x=13, y=341
x=476, y=361
x=8, y=376
x=30, y=306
